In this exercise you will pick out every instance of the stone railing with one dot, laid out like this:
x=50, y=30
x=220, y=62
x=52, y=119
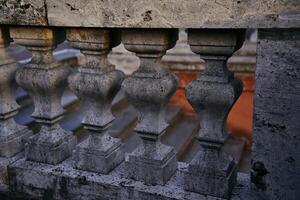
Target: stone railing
x=59, y=164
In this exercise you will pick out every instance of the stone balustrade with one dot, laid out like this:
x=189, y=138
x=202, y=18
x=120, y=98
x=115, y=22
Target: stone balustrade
x=136, y=154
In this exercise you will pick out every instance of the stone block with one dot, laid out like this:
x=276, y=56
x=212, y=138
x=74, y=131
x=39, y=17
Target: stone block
x=14, y=143
x=4, y=163
x=102, y=158
x=47, y=153
x=153, y=170
x=211, y=180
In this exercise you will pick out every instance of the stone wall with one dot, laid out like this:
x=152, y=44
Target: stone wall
x=276, y=149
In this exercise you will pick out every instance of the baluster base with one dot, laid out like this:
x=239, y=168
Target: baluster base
x=102, y=156
x=155, y=168
x=50, y=146
x=211, y=173
x=14, y=143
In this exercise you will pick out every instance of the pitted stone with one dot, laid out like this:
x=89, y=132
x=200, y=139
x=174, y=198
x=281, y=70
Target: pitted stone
x=212, y=95
x=275, y=155
x=100, y=157
x=38, y=180
x=14, y=143
x=151, y=167
x=46, y=152
x=12, y=135
x=175, y=14
x=148, y=90
x=208, y=175
x=4, y=174
x=44, y=79
x=96, y=84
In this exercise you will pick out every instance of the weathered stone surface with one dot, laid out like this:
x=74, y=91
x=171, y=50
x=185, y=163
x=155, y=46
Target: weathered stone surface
x=148, y=90
x=96, y=84
x=276, y=139
x=12, y=135
x=4, y=178
x=154, y=14
x=45, y=80
x=212, y=95
x=63, y=182
x=174, y=13
x=23, y=12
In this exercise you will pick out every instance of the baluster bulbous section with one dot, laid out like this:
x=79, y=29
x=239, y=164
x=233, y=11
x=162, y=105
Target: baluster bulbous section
x=149, y=90
x=45, y=80
x=212, y=95
x=96, y=84
x=12, y=135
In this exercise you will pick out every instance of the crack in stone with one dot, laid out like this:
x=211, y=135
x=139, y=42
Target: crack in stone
x=46, y=12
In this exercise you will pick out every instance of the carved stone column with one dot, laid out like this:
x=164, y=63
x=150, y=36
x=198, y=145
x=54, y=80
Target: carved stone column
x=212, y=95
x=148, y=90
x=45, y=80
x=11, y=133
x=96, y=84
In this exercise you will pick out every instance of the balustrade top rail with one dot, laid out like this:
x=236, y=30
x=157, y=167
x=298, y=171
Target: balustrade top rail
x=153, y=14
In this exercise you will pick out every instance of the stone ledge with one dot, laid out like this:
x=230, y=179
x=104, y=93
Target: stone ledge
x=153, y=14
x=63, y=182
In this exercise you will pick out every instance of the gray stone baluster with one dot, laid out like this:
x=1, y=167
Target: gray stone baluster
x=148, y=90
x=96, y=84
x=212, y=95
x=45, y=80
x=12, y=135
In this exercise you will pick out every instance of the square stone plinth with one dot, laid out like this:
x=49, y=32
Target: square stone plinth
x=214, y=179
x=14, y=143
x=102, y=158
x=152, y=170
x=44, y=153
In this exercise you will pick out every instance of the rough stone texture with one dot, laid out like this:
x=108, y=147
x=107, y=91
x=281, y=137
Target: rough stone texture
x=4, y=177
x=23, y=12
x=44, y=181
x=148, y=90
x=102, y=157
x=276, y=149
x=12, y=135
x=44, y=79
x=51, y=145
x=154, y=14
x=174, y=13
x=212, y=95
x=96, y=84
